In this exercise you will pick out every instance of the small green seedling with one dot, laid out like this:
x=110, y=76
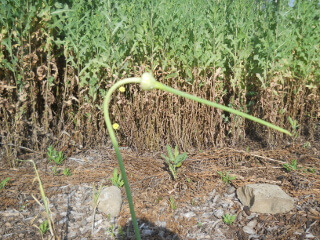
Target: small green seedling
x=228, y=219
x=306, y=145
x=45, y=204
x=173, y=204
x=174, y=160
x=199, y=224
x=294, y=126
x=55, y=156
x=117, y=179
x=67, y=172
x=4, y=182
x=293, y=166
x=44, y=227
x=55, y=171
x=112, y=231
x=311, y=170
x=225, y=177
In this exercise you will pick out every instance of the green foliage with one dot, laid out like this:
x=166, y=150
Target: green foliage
x=55, y=171
x=99, y=35
x=311, y=170
x=4, y=182
x=174, y=160
x=225, y=177
x=293, y=166
x=67, y=172
x=228, y=219
x=173, y=204
x=306, y=145
x=101, y=41
x=44, y=227
x=294, y=126
x=117, y=178
x=55, y=156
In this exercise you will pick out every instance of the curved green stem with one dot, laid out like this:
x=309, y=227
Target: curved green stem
x=116, y=148
x=163, y=87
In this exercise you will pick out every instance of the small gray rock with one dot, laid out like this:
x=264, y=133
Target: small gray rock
x=248, y=230
x=161, y=224
x=252, y=224
x=231, y=190
x=265, y=198
x=218, y=213
x=189, y=214
x=110, y=201
x=147, y=232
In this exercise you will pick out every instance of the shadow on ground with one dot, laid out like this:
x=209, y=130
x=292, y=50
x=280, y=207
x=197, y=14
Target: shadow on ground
x=148, y=231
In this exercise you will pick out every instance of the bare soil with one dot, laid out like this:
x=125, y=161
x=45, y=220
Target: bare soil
x=152, y=186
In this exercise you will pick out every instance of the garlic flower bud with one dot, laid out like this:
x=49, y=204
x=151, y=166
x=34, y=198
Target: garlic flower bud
x=147, y=81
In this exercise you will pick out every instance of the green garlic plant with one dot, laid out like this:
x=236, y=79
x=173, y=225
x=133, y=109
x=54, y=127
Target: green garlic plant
x=148, y=82
x=174, y=160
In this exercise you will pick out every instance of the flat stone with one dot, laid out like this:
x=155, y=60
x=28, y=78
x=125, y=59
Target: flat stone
x=110, y=201
x=265, y=198
x=218, y=213
x=248, y=230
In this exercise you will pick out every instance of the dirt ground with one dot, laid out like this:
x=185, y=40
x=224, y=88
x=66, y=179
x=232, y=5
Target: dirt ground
x=152, y=184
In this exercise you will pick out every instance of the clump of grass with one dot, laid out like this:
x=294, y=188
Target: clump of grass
x=225, y=177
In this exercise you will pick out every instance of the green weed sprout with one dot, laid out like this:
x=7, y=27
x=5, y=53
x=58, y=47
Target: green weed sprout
x=67, y=172
x=173, y=204
x=117, y=179
x=55, y=156
x=44, y=227
x=148, y=82
x=55, y=171
x=4, y=182
x=225, y=177
x=293, y=166
x=174, y=160
x=228, y=219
